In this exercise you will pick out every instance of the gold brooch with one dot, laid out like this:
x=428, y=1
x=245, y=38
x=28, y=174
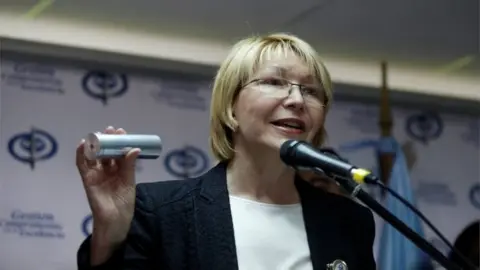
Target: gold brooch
x=337, y=265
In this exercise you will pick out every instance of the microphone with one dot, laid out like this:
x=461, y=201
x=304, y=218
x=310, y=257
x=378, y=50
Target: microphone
x=301, y=154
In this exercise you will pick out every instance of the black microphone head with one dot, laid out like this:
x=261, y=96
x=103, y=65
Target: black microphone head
x=286, y=151
x=333, y=153
x=300, y=154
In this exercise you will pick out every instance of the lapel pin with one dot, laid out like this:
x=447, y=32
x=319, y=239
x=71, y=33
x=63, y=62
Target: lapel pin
x=337, y=265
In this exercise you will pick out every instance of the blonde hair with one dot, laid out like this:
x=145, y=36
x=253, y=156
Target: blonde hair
x=239, y=66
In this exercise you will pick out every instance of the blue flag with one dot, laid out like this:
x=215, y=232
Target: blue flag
x=396, y=252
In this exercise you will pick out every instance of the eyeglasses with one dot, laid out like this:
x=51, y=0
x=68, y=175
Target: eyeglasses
x=282, y=88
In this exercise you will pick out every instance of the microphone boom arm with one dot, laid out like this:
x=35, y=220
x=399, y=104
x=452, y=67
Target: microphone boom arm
x=301, y=154
x=356, y=191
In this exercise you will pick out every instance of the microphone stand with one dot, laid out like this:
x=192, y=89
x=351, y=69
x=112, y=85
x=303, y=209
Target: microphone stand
x=356, y=191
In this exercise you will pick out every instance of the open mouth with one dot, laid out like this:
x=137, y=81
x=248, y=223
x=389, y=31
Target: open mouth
x=294, y=124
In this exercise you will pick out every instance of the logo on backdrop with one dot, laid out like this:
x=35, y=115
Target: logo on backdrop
x=189, y=95
x=435, y=193
x=472, y=133
x=474, y=195
x=32, y=77
x=186, y=162
x=32, y=224
x=103, y=85
x=32, y=147
x=87, y=225
x=424, y=127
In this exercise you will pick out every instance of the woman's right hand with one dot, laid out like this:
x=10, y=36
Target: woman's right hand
x=110, y=188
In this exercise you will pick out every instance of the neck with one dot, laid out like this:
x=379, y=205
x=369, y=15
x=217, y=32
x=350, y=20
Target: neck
x=261, y=177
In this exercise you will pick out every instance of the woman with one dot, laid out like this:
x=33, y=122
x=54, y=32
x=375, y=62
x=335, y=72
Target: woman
x=250, y=211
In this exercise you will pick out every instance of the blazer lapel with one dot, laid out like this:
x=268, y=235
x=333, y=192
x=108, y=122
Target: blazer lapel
x=214, y=227
x=320, y=224
x=213, y=222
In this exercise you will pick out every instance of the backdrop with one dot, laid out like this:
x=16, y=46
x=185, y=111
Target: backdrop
x=47, y=109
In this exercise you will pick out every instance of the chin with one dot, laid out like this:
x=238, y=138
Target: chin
x=277, y=142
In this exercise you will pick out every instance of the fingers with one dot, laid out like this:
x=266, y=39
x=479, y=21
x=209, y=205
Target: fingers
x=110, y=130
x=109, y=165
x=80, y=157
x=129, y=160
x=131, y=157
x=120, y=131
x=81, y=162
x=127, y=164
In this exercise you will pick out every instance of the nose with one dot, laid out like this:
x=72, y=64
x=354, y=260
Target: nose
x=295, y=99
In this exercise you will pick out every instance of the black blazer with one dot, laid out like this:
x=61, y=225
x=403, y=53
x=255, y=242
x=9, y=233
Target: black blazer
x=187, y=224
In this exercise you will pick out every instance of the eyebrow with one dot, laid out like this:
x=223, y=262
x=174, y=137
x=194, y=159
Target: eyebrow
x=283, y=71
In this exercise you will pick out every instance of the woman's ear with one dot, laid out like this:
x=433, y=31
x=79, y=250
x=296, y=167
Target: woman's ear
x=232, y=121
